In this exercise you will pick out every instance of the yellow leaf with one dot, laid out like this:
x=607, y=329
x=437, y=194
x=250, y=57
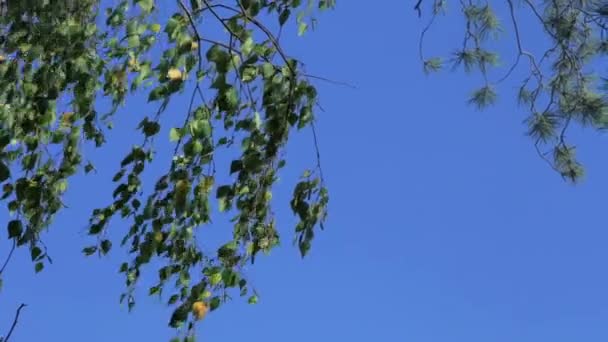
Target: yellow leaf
x=174, y=74
x=133, y=63
x=199, y=309
x=66, y=119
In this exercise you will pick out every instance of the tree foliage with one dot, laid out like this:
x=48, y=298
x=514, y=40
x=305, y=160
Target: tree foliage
x=246, y=96
x=560, y=88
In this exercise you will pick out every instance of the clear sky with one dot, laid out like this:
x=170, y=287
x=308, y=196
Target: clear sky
x=444, y=224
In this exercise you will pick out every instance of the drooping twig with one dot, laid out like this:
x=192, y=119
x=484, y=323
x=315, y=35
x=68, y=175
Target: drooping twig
x=196, y=34
x=418, y=9
x=14, y=322
x=324, y=79
x=317, y=151
x=8, y=258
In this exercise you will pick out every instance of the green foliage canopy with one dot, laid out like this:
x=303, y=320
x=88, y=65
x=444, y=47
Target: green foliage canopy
x=246, y=96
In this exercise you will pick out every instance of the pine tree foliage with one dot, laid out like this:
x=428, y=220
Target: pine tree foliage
x=246, y=97
x=561, y=87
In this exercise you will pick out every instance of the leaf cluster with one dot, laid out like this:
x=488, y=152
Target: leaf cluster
x=246, y=98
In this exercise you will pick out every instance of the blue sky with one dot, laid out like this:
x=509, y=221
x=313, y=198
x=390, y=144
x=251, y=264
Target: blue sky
x=444, y=223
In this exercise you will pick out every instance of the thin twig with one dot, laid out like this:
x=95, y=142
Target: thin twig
x=14, y=322
x=340, y=83
x=197, y=36
x=517, y=40
x=8, y=258
x=186, y=120
x=544, y=157
x=317, y=151
x=422, y=34
x=270, y=36
x=418, y=9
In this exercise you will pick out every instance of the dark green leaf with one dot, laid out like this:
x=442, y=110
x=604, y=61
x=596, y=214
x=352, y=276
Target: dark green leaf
x=15, y=229
x=4, y=172
x=215, y=303
x=35, y=253
x=89, y=250
x=236, y=166
x=173, y=299
x=106, y=245
x=284, y=16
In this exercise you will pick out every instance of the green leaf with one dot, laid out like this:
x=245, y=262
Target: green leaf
x=232, y=98
x=236, y=166
x=247, y=46
x=155, y=28
x=284, y=16
x=154, y=290
x=106, y=245
x=4, y=172
x=133, y=41
x=62, y=186
x=215, y=278
x=89, y=250
x=222, y=204
x=35, y=253
x=302, y=28
x=253, y=299
x=184, y=279
x=220, y=57
x=215, y=303
x=151, y=128
x=227, y=249
x=223, y=191
x=39, y=266
x=146, y=5
x=196, y=5
x=15, y=229
x=268, y=70
x=179, y=316
x=88, y=168
x=172, y=26
x=157, y=93
x=249, y=74
x=230, y=278
x=200, y=128
x=173, y=299
x=174, y=134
